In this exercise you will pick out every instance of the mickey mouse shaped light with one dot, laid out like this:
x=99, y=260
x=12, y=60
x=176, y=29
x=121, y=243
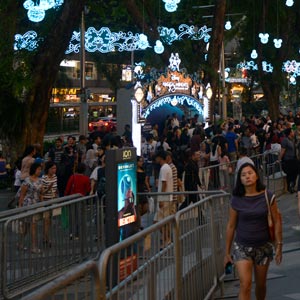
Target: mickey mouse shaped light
x=264, y=38
x=277, y=43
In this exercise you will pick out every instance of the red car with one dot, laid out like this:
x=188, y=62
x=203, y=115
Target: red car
x=108, y=122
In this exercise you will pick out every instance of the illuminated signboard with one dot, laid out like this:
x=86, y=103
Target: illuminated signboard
x=126, y=174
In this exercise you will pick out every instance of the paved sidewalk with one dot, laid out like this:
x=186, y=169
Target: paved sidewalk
x=283, y=281
x=5, y=196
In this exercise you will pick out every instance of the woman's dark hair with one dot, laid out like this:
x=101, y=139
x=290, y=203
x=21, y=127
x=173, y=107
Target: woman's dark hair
x=239, y=189
x=48, y=165
x=33, y=168
x=29, y=149
x=81, y=168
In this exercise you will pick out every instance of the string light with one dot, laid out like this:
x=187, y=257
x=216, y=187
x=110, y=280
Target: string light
x=37, y=9
x=228, y=25
x=264, y=38
x=254, y=54
x=289, y=3
x=171, y=5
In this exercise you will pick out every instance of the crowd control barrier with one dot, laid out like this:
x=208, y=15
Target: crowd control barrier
x=39, y=244
x=180, y=257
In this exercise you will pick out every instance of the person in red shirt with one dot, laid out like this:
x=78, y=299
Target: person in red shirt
x=78, y=183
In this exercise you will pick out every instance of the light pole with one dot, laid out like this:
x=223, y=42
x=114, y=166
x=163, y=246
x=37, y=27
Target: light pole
x=83, y=117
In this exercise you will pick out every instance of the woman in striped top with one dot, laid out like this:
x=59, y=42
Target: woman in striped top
x=49, y=180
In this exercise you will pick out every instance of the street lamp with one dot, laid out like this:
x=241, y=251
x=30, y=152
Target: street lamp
x=139, y=95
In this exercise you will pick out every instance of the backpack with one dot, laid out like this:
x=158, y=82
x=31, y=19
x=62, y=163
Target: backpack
x=101, y=182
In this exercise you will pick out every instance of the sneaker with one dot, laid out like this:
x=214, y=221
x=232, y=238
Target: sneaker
x=36, y=250
x=296, y=227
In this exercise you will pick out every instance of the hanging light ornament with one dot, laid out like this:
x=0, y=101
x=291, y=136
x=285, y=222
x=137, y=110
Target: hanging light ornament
x=277, y=43
x=159, y=47
x=264, y=38
x=289, y=3
x=228, y=25
x=254, y=54
x=171, y=5
x=37, y=9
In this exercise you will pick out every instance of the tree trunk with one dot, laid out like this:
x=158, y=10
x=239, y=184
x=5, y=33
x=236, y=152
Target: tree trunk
x=214, y=52
x=45, y=68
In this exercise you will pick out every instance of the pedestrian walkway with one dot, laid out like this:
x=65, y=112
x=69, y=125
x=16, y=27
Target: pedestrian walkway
x=5, y=196
x=283, y=280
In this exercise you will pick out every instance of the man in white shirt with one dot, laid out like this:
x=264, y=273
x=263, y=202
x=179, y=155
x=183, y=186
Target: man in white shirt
x=164, y=202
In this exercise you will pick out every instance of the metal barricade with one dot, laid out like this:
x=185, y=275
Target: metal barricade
x=82, y=282
x=188, y=266
x=180, y=257
x=42, y=243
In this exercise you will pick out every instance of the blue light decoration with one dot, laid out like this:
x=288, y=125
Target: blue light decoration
x=254, y=54
x=228, y=25
x=173, y=100
x=28, y=41
x=289, y=3
x=251, y=65
x=171, y=5
x=267, y=67
x=37, y=8
x=247, y=65
x=264, y=38
x=159, y=47
x=292, y=80
x=293, y=69
x=105, y=41
x=169, y=35
x=174, y=61
x=277, y=43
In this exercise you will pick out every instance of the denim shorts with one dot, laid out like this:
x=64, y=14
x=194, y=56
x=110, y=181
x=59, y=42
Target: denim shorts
x=259, y=255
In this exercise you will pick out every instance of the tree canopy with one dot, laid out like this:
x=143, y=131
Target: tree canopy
x=26, y=78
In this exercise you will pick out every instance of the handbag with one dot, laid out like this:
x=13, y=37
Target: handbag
x=270, y=219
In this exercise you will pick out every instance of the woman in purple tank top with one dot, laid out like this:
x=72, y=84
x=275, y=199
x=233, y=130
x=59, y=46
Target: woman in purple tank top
x=248, y=232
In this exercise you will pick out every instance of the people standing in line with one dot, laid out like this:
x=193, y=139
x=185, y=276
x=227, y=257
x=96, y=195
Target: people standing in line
x=164, y=202
x=191, y=179
x=27, y=161
x=169, y=160
x=232, y=142
x=147, y=152
x=289, y=160
x=81, y=148
x=248, y=227
x=203, y=163
x=224, y=168
x=31, y=193
x=78, y=183
x=49, y=180
x=142, y=187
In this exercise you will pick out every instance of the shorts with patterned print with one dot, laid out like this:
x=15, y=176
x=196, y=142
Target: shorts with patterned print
x=259, y=255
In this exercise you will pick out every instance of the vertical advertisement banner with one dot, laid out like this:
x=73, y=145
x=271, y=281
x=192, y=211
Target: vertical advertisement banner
x=127, y=216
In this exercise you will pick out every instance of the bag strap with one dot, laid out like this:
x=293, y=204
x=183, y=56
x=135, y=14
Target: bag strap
x=267, y=201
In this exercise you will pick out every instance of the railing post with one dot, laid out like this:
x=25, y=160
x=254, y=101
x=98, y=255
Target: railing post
x=178, y=260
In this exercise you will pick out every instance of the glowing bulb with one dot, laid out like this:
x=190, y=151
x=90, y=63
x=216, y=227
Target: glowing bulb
x=171, y=5
x=277, y=43
x=254, y=54
x=289, y=3
x=159, y=47
x=264, y=38
x=36, y=14
x=228, y=25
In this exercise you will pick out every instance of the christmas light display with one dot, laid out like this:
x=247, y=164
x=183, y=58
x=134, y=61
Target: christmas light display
x=171, y=5
x=264, y=38
x=37, y=8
